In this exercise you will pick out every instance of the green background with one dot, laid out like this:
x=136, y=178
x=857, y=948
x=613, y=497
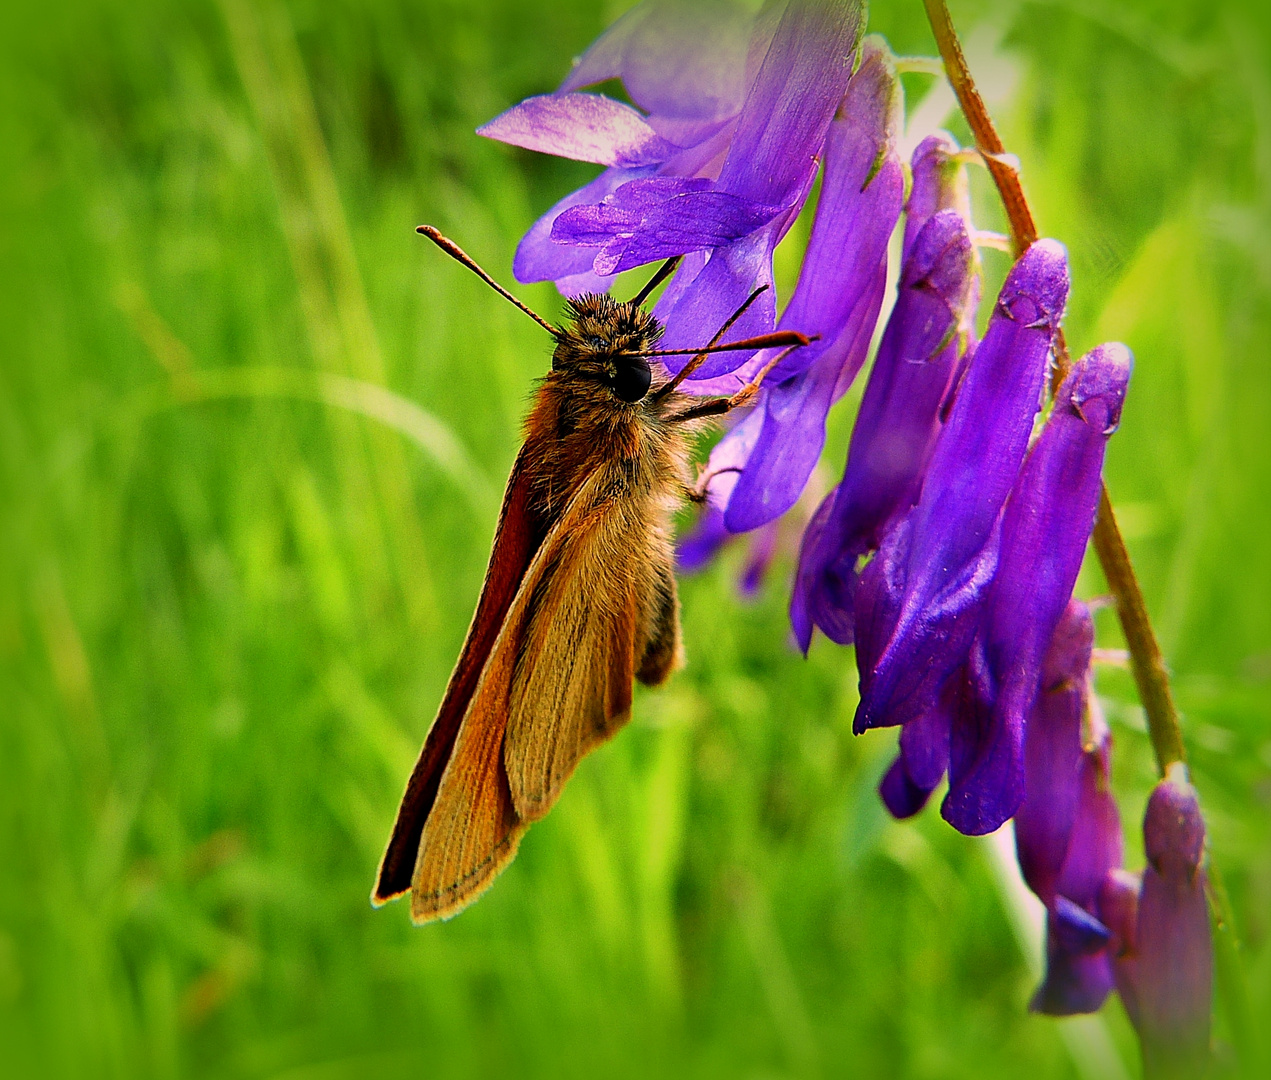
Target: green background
x=231, y=588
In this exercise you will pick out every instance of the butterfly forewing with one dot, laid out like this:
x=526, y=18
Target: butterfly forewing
x=478, y=815
x=516, y=539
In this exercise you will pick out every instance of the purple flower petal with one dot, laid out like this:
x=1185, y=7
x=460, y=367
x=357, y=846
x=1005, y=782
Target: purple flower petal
x=949, y=558
x=1095, y=844
x=665, y=217
x=584, y=127
x=1045, y=529
x=1076, y=930
x=924, y=742
x=862, y=192
x=693, y=308
x=1174, y=976
x=838, y=297
x=539, y=259
x=788, y=110
x=729, y=457
x=895, y=430
x=924, y=752
x=678, y=61
x=902, y=797
x=1078, y=968
x=1119, y=912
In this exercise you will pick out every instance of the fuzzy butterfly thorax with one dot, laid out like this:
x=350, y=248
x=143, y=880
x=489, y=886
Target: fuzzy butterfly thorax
x=594, y=410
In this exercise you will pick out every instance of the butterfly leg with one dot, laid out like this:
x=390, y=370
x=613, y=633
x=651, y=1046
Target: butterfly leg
x=718, y=406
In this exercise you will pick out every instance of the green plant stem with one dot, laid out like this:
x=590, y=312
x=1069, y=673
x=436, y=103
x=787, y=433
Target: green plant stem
x=1146, y=662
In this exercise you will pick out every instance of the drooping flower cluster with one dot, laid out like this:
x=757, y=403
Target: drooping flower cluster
x=949, y=551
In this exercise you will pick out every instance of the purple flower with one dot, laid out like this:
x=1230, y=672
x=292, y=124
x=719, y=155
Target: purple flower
x=975, y=725
x=1067, y=830
x=918, y=603
x=716, y=170
x=1164, y=966
x=838, y=296
x=685, y=66
x=1044, y=532
x=895, y=430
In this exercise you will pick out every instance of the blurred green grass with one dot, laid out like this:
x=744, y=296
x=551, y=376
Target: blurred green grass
x=230, y=600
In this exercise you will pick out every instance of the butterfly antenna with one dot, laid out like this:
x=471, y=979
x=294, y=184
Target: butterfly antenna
x=664, y=272
x=459, y=255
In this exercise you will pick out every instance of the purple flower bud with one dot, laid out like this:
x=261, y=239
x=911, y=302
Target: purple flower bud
x=924, y=589
x=895, y=430
x=1044, y=533
x=939, y=183
x=1173, y=968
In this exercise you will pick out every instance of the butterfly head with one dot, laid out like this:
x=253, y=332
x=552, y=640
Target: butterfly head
x=599, y=341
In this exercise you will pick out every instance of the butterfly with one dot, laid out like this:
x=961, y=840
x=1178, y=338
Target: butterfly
x=579, y=599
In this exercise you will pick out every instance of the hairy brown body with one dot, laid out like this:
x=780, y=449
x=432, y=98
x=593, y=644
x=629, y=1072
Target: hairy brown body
x=579, y=600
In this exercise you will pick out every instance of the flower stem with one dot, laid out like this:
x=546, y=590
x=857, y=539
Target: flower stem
x=1146, y=662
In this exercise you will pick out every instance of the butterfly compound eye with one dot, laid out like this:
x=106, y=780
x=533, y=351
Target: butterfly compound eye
x=631, y=379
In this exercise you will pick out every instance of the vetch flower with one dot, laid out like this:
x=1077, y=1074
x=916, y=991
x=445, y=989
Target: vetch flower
x=939, y=182
x=685, y=65
x=975, y=726
x=918, y=603
x=838, y=295
x=1067, y=830
x=895, y=430
x=1045, y=529
x=717, y=185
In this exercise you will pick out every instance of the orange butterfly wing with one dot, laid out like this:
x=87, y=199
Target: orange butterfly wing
x=474, y=825
x=545, y=675
x=516, y=539
x=605, y=611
